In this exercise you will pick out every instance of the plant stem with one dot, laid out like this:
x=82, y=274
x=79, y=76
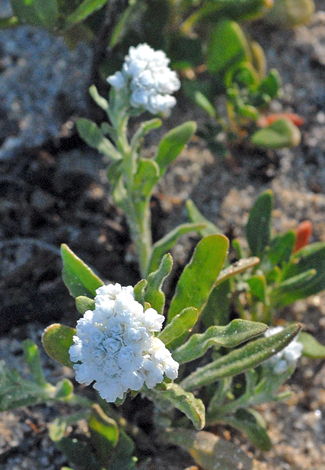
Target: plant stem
x=136, y=210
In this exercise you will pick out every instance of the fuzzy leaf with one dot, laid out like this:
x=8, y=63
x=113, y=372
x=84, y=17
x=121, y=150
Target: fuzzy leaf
x=33, y=360
x=227, y=46
x=78, y=453
x=104, y=434
x=122, y=455
x=209, y=451
x=228, y=336
x=179, y=325
x=173, y=143
x=153, y=294
x=77, y=276
x=166, y=243
x=199, y=276
x=92, y=134
x=312, y=348
x=16, y=391
x=309, y=257
x=84, y=303
x=192, y=407
x=257, y=287
x=281, y=133
x=237, y=268
x=201, y=100
x=246, y=422
x=143, y=129
x=242, y=359
x=217, y=309
x=99, y=100
x=197, y=218
x=139, y=291
x=57, y=340
x=258, y=228
x=292, y=289
x=270, y=85
x=145, y=179
x=281, y=248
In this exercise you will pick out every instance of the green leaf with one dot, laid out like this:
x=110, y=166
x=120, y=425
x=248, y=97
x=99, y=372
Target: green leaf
x=179, y=325
x=139, y=291
x=257, y=287
x=228, y=336
x=94, y=137
x=197, y=218
x=237, y=268
x=33, y=360
x=281, y=133
x=291, y=289
x=270, y=85
x=310, y=257
x=57, y=340
x=281, y=248
x=173, y=143
x=64, y=389
x=258, y=228
x=17, y=391
x=242, y=359
x=99, y=100
x=142, y=130
x=122, y=455
x=192, y=407
x=288, y=13
x=58, y=427
x=77, y=276
x=145, y=179
x=199, y=276
x=84, y=303
x=245, y=421
x=153, y=294
x=202, y=101
x=114, y=173
x=217, y=309
x=166, y=243
x=312, y=348
x=36, y=12
x=86, y=8
x=78, y=453
x=209, y=451
x=227, y=46
x=104, y=434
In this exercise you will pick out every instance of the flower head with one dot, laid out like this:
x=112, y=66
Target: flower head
x=149, y=80
x=288, y=357
x=115, y=346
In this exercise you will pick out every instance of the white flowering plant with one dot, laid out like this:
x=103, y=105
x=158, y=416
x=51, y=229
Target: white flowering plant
x=145, y=83
x=123, y=346
x=129, y=341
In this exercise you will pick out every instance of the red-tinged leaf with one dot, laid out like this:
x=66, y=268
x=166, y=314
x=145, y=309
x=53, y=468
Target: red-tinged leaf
x=303, y=234
x=265, y=121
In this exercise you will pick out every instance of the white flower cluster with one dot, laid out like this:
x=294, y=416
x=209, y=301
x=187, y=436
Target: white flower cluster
x=115, y=346
x=149, y=79
x=288, y=357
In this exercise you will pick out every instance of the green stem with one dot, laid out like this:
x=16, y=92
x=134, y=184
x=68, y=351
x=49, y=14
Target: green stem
x=139, y=223
x=140, y=227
